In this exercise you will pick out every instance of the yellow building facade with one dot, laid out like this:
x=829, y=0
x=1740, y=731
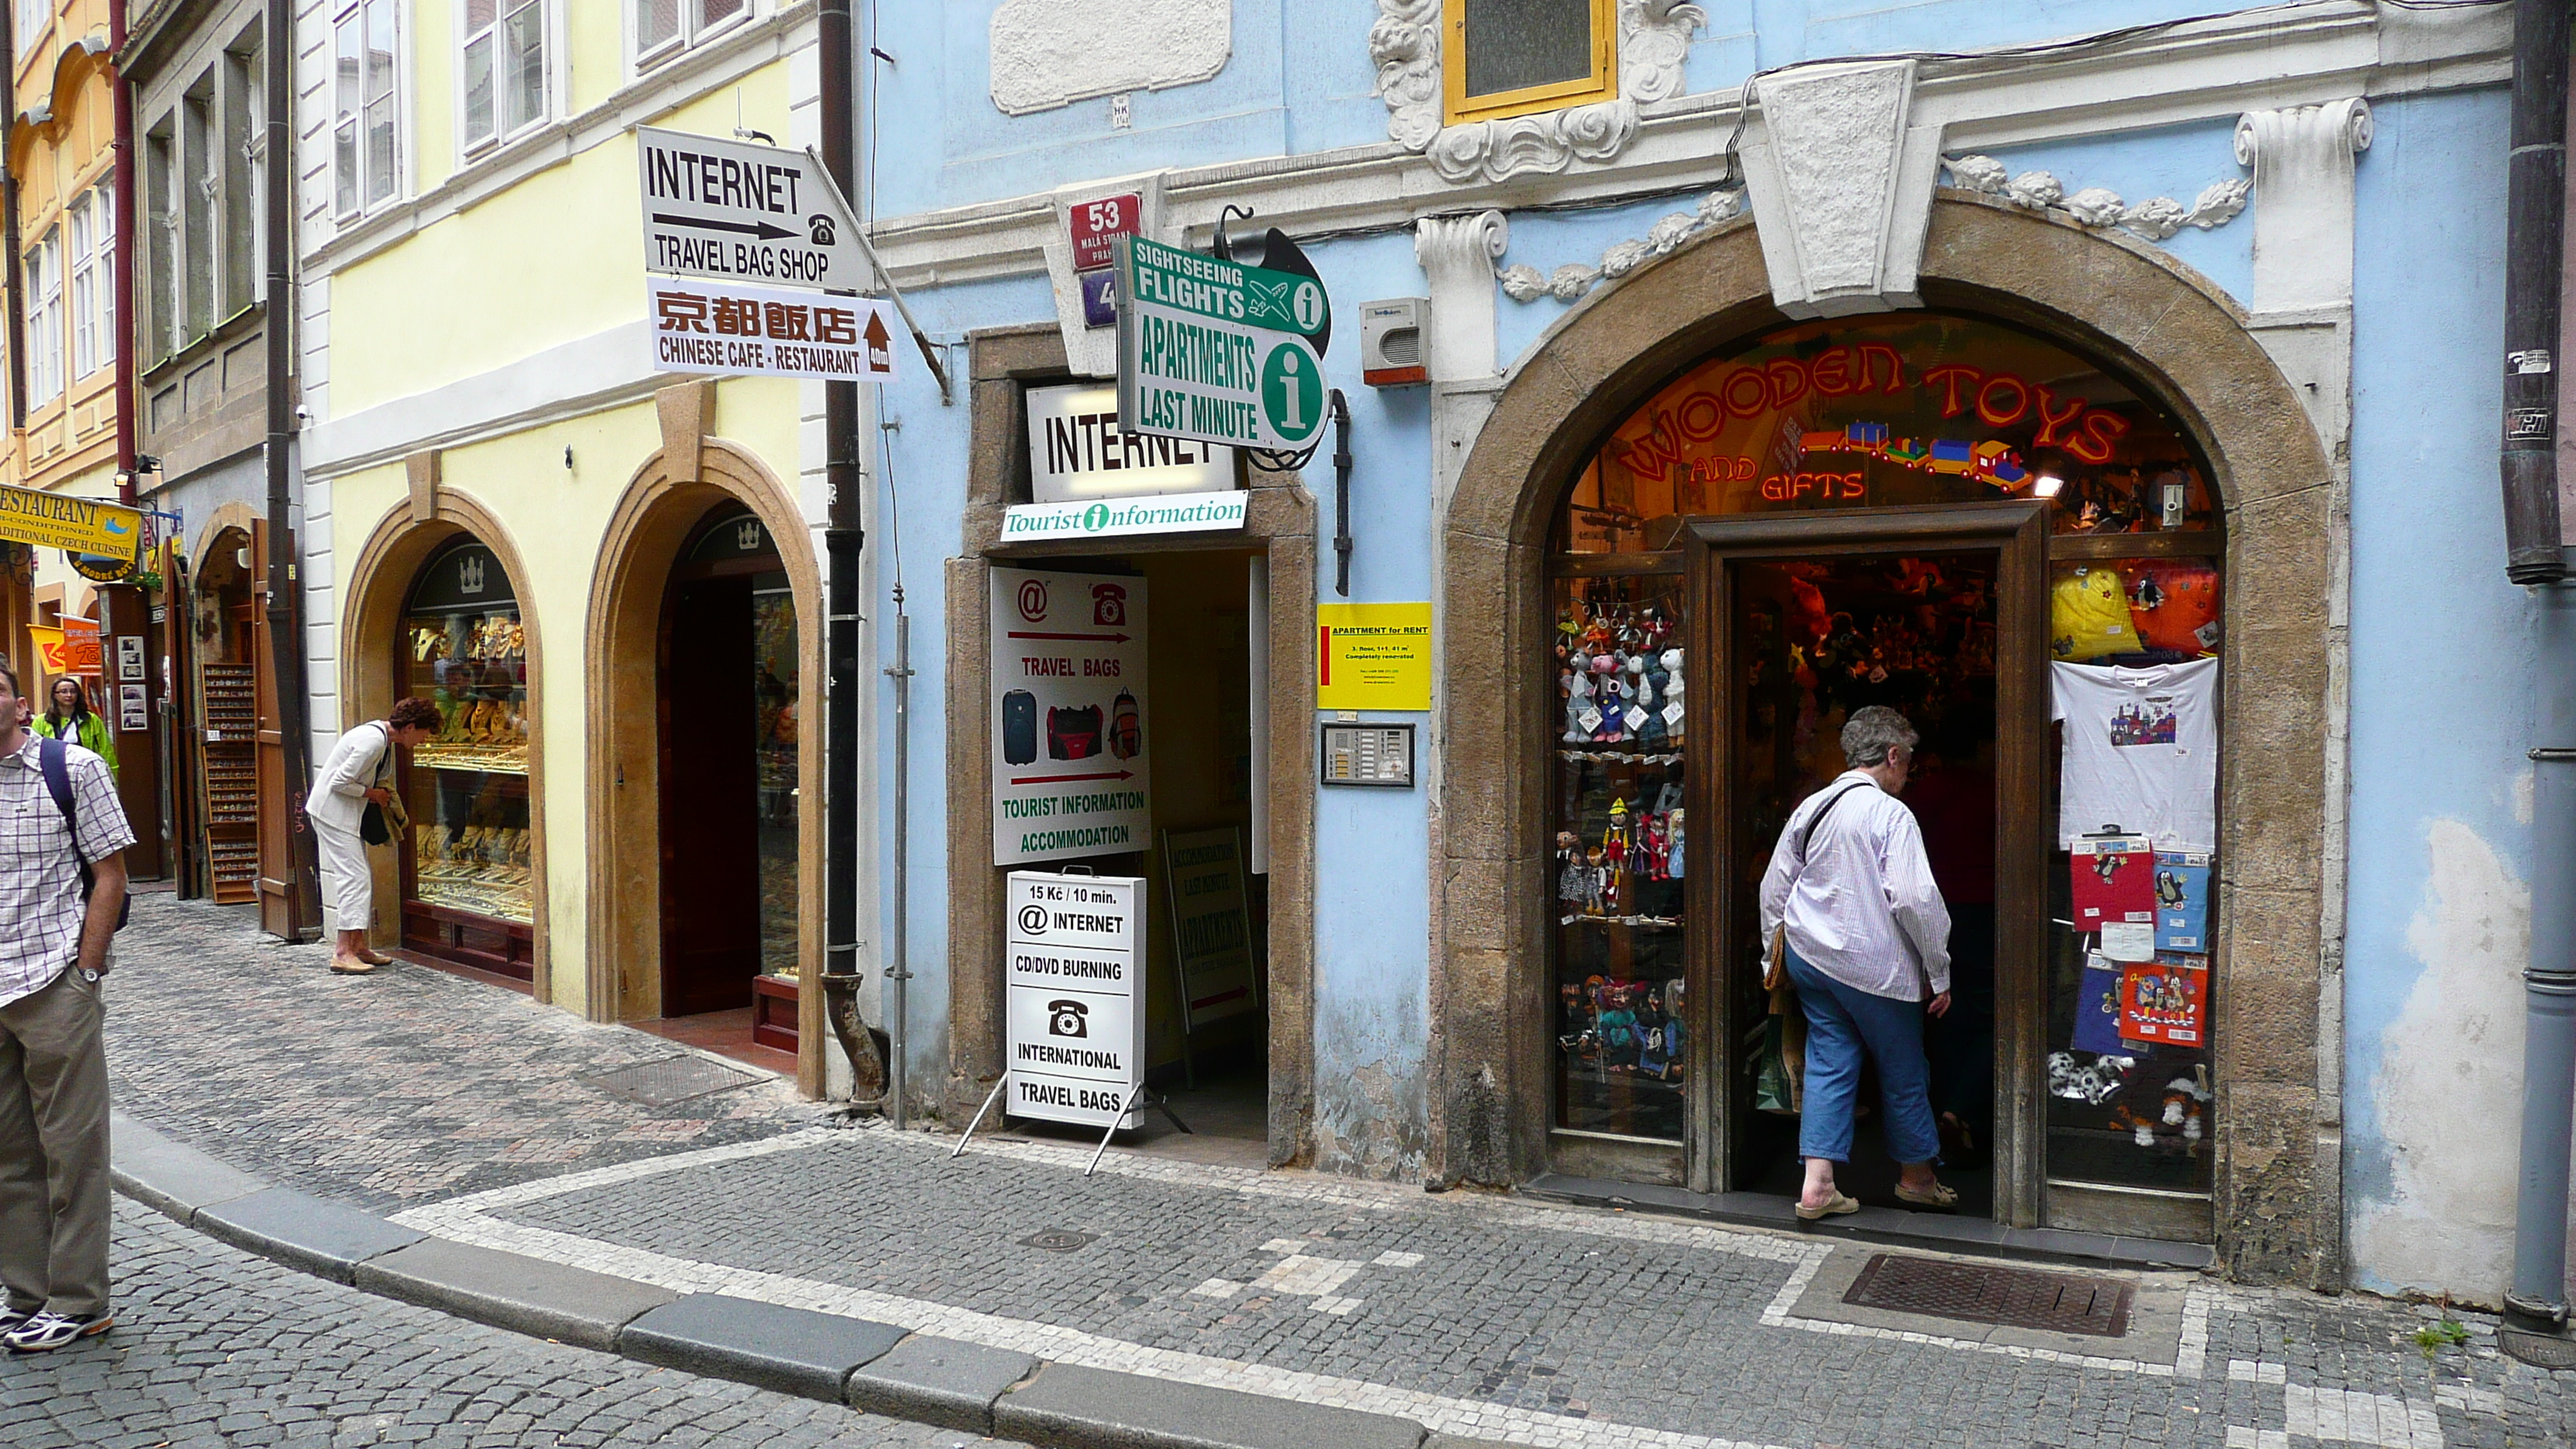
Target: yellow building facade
x=608, y=577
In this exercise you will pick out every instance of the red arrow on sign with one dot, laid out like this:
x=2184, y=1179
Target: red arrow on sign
x=1100, y=638
x=1064, y=779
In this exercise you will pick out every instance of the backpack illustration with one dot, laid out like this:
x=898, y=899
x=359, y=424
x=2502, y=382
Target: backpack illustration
x=1019, y=727
x=1125, y=727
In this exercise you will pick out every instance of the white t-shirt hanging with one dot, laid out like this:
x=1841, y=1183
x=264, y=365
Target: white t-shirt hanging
x=2141, y=752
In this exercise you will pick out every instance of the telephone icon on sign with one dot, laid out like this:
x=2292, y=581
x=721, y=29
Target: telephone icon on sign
x=821, y=229
x=1109, y=604
x=1068, y=1018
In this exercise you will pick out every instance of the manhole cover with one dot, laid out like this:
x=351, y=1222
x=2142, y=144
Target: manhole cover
x=1978, y=1293
x=1057, y=1240
x=672, y=1079
x=2540, y=1350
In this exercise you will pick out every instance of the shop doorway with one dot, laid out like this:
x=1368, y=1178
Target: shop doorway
x=1810, y=641
x=727, y=728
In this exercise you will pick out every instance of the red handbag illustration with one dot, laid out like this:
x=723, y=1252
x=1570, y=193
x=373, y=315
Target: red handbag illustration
x=1073, y=734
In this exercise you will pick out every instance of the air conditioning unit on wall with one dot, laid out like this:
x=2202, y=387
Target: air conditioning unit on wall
x=1391, y=341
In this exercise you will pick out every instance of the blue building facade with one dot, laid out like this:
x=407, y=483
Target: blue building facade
x=2262, y=249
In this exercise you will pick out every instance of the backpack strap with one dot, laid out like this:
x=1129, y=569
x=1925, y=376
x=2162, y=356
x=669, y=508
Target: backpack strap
x=1809, y=838
x=55, y=758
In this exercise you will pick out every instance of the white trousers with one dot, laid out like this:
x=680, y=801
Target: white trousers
x=344, y=863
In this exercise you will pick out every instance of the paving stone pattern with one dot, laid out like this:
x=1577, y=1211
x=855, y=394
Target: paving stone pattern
x=1615, y=1320
x=215, y=1347
x=385, y=1089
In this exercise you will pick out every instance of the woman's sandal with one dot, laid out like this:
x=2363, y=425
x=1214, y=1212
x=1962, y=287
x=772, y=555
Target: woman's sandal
x=1939, y=1195
x=1840, y=1204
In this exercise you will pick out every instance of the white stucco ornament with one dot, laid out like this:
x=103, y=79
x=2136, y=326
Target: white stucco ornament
x=1654, y=36
x=1525, y=283
x=1051, y=53
x=2100, y=207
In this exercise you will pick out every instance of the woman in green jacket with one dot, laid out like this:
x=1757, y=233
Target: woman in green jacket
x=69, y=717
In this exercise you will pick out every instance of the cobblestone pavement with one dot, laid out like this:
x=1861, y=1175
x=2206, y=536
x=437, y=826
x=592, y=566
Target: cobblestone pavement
x=216, y=1347
x=385, y=1089
x=458, y=1109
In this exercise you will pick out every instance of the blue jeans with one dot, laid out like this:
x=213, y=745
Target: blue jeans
x=1842, y=1022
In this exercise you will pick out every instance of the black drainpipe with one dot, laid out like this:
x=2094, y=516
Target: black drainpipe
x=2535, y=225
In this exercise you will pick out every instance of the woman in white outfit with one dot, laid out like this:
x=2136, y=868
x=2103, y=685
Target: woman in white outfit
x=358, y=773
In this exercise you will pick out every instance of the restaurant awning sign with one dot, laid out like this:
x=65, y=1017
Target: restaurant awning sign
x=65, y=521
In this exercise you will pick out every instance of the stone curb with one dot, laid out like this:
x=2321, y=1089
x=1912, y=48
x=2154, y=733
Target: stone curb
x=873, y=1367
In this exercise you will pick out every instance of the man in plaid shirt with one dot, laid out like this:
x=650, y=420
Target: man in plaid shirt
x=53, y=1065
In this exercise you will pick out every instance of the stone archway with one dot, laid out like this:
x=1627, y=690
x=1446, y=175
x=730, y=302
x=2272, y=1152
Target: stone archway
x=371, y=620
x=2190, y=348
x=665, y=500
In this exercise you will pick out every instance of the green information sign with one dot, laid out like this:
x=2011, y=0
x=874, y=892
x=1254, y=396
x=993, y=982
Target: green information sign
x=1215, y=351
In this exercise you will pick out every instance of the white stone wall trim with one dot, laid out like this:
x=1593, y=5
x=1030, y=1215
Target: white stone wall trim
x=605, y=369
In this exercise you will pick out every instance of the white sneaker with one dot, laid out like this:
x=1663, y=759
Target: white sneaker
x=48, y=1331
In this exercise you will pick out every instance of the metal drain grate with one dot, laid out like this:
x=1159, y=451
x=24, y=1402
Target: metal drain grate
x=2540, y=1350
x=672, y=1080
x=2016, y=1297
x=1057, y=1240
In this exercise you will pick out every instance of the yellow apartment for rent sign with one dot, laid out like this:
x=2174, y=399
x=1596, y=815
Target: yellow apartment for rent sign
x=60, y=520
x=1373, y=656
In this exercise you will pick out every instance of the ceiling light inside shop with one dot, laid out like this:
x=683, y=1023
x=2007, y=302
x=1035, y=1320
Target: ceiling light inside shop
x=2046, y=485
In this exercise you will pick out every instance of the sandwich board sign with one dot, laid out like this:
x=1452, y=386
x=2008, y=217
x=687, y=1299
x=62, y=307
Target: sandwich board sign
x=1216, y=351
x=1075, y=959
x=745, y=213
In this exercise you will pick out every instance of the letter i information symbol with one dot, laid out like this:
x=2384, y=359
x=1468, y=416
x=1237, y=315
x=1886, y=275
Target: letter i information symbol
x=1292, y=392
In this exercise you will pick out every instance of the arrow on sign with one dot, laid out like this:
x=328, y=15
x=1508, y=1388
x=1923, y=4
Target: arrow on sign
x=1102, y=638
x=1064, y=779
x=758, y=229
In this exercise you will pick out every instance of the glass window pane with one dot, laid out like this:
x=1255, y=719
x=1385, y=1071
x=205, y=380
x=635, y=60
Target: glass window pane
x=478, y=90
x=350, y=65
x=1621, y=1022
x=344, y=167
x=1514, y=44
x=478, y=13
x=380, y=49
x=380, y=150
x=717, y=12
x=527, y=66
x=656, y=22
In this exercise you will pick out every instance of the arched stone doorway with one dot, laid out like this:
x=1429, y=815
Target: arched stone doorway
x=2190, y=352
x=665, y=508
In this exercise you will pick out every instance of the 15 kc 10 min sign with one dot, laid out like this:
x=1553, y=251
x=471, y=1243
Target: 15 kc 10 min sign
x=1216, y=351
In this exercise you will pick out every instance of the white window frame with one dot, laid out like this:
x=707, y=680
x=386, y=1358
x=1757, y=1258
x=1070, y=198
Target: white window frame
x=495, y=34
x=81, y=246
x=364, y=184
x=33, y=17
x=46, y=336
x=694, y=29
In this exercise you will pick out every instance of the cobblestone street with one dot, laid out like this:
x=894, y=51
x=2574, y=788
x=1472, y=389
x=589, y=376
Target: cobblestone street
x=461, y=1110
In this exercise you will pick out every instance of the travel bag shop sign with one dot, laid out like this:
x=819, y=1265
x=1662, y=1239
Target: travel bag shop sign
x=1217, y=351
x=1076, y=1018
x=730, y=209
x=60, y=520
x=1070, y=725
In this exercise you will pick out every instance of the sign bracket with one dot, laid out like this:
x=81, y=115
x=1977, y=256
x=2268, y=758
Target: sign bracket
x=858, y=233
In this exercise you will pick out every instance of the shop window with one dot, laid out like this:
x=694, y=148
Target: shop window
x=1512, y=57
x=45, y=338
x=662, y=27
x=468, y=867
x=1901, y=412
x=505, y=69
x=365, y=107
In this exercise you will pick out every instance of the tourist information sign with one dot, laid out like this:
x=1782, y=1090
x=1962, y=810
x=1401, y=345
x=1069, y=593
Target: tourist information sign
x=1216, y=351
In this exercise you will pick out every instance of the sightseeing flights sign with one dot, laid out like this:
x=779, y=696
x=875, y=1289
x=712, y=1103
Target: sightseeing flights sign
x=1217, y=351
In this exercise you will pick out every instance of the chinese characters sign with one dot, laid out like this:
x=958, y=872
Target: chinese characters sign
x=705, y=326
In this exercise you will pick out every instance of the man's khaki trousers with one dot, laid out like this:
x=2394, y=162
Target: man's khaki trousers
x=53, y=1149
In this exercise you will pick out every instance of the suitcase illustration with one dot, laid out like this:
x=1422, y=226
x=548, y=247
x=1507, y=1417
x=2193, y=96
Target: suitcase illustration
x=1019, y=727
x=1073, y=734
